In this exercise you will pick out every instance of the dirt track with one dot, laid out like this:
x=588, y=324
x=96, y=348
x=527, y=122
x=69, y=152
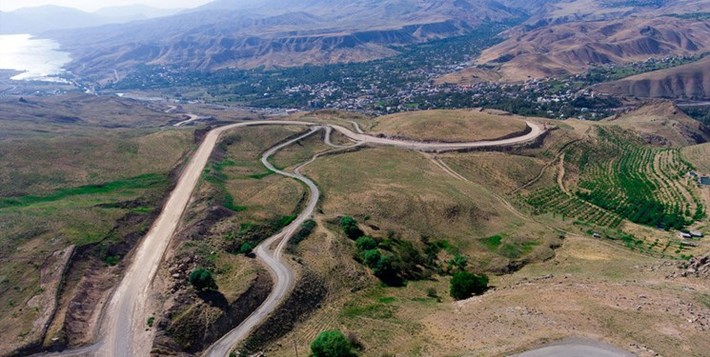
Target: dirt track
x=123, y=330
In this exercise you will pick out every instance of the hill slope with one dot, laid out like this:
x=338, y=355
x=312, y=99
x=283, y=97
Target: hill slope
x=572, y=47
x=233, y=34
x=687, y=81
x=662, y=123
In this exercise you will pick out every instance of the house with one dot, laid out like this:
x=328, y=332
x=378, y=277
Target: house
x=696, y=234
x=705, y=181
x=685, y=235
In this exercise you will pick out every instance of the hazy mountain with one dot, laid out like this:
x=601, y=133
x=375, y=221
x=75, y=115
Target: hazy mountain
x=573, y=47
x=243, y=34
x=134, y=12
x=36, y=20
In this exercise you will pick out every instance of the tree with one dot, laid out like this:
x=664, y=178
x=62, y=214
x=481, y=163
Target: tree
x=365, y=243
x=350, y=227
x=465, y=285
x=386, y=269
x=371, y=257
x=332, y=343
x=246, y=248
x=202, y=279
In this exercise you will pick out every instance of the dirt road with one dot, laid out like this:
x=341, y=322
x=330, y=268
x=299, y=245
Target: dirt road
x=124, y=320
x=576, y=347
x=536, y=131
x=123, y=331
x=271, y=257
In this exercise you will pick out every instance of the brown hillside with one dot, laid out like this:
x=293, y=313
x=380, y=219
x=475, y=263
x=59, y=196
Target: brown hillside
x=448, y=125
x=664, y=124
x=572, y=47
x=689, y=81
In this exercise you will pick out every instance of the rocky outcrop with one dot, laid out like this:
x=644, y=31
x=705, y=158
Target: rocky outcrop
x=698, y=267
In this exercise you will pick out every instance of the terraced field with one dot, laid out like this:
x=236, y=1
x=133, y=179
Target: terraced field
x=622, y=179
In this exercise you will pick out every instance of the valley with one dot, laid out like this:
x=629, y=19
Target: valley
x=355, y=178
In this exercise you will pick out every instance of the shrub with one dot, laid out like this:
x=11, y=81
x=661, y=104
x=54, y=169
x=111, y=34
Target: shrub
x=365, y=243
x=202, y=279
x=465, y=285
x=431, y=292
x=350, y=227
x=386, y=269
x=306, y=229
x=332, y=344
x=246, y=248
x=371, y=257
x=459, y=262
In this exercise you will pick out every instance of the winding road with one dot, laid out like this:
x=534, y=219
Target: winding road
x=123, y=330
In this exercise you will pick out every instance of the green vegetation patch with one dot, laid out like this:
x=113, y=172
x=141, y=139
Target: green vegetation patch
x=138, y=182
x=492, y=243
x=378, y=311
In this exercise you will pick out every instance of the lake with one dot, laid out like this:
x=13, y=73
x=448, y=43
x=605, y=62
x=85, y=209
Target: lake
x=38, y=59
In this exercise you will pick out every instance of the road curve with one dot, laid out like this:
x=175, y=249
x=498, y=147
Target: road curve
x=576, y=347
x=123, y=321
x=535, y=132
x=271, y=257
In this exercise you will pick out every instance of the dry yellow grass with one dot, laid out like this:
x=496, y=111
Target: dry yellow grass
x=698, y=156
x=503, y=172
x=448, y=125
x=469, y=76
x=406, y=193
x=590, y=289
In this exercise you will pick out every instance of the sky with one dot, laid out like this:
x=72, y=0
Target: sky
x=92, y=5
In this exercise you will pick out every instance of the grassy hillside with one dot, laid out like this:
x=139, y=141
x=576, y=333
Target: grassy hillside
x=499, y=209
x=698, y=156
x=447, y=125
x=79, y=170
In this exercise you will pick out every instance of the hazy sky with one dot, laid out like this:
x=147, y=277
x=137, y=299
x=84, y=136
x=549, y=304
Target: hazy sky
x=91, y=5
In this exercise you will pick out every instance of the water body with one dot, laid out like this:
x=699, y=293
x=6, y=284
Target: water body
x=37, y=59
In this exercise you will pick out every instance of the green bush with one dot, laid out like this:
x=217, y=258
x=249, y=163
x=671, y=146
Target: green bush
x=465, y=285
x=371, y=257
x=365, y=243
x=387, y=270
x=306, y=229
x=332, y=344
x=350, y=227
x=246, y=248
x=202, y=279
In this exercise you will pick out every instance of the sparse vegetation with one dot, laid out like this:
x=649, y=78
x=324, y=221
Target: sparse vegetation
x=332, y=343
x=306, y=229
x=201, y=279
x=350, y=227
x=465, y=284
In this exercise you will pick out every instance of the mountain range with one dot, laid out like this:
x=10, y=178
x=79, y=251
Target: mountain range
x=281, y=33
x=555, y=37
x=38, y=20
